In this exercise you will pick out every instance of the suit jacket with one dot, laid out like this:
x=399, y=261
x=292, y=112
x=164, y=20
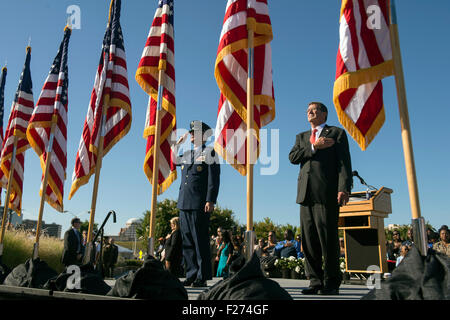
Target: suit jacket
x=71, y=246
x=173, y=247
x=200, y=179
x=110, y=254
x=325, y=172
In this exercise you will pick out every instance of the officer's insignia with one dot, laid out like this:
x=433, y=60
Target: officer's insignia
x=199, y=169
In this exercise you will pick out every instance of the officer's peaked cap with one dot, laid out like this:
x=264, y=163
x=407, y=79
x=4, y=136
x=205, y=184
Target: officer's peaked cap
x=197, y=125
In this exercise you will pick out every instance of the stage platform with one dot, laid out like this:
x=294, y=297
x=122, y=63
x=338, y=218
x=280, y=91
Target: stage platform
x=293, y=287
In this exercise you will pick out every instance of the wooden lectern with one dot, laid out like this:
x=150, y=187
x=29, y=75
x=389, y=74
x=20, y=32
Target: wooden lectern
x=362, y=221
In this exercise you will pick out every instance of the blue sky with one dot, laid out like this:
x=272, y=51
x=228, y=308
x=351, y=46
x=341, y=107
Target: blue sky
x=304, y=63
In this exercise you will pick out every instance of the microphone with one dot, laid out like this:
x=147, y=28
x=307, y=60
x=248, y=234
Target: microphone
x=355, y=174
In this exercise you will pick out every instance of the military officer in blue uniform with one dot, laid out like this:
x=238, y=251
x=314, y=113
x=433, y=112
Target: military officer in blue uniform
x=200, y=179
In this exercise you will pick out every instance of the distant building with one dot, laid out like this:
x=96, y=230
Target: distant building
x=12, y=217
x=393, y=226
x=51, y=230
x=129, y=232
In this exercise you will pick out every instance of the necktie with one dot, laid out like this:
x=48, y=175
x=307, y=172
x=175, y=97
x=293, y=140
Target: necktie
x=312, y=139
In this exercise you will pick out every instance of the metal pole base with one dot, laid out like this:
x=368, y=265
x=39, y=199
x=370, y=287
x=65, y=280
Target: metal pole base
x=249, y=244
x=420, y=235
x=151, y=246
x=89, y=256
x=35, y=251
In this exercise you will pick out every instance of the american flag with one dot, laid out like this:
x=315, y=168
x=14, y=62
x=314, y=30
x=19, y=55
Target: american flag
x=52, y=106
x=158, y=55
x=231, y=76
x=2, y=101
x=364, y=58
x=2, y=106
x=21, y=110
x=110, y=89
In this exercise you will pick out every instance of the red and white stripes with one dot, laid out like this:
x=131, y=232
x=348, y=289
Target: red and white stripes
x=157, y=55
x=21, y=110
x=231, y=76
x=363, y=59
x=52, y=107
x=110, y=90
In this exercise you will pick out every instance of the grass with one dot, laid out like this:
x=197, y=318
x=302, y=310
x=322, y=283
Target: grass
x=18, y=247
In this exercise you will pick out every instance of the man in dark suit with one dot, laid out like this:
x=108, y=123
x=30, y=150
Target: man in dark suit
x=324, y=184
x=110, y=256
x=72, y=252
x=200, y=179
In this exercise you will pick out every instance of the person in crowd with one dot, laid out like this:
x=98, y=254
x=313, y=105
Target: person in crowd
x=259, y=248
x=72, y=244
x=199, y=189
x=404, y=249
x=288, y=247
x=324, y=184
x=160, y=253
x=431, y=237
x=409, y=235
x=83, y=242
x=269, y=249
x=393, y=248
x=341, y=247
x=216, y=257
x=109, y=258
x=173, y=248
x=225, y=252
x=443, y=245
x=237, y=244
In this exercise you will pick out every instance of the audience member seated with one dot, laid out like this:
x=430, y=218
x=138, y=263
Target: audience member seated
x=269, y=249
x=288, y=247
x=404, y=248
x=259, y=248
x=443, y=245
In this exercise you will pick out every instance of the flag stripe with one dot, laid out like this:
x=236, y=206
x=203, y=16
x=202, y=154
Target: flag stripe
x=21, y=110
x=364, y=58
x=231, y=76
x=110, y=86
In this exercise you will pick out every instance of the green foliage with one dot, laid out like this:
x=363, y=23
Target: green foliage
x=262, y=229
x=85, y=226
x=403, y=230
x=167, y=209
x=223, y=218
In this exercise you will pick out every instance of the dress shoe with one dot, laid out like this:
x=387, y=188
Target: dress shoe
x=199, y=284
x=329, y=291
x=188, y=282
x=312, y=290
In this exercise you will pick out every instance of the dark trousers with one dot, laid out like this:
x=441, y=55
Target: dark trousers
x=194, y=227
x=319, y=228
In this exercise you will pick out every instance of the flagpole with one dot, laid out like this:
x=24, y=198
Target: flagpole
x=418, y=222
x=90, y=256
x=151, y=236
x=8, y=192
x=249, y=236
x=44, y=185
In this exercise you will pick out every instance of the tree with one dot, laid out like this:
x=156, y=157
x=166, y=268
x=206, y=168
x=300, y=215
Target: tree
x=222, y=218
x=167, y=209
x=85, y=226
x=262, y=228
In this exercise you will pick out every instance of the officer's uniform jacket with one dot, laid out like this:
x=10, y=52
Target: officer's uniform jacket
x=200, y=178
